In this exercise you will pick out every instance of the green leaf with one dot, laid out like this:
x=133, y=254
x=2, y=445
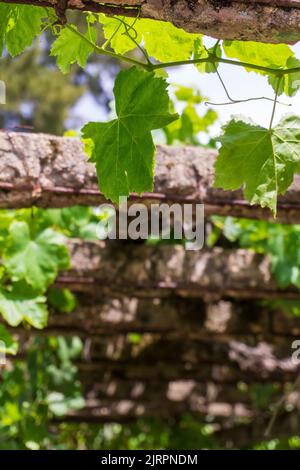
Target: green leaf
x=24, y=25
x=69, y=219
x=165, y=42
x=187, y=128
x=115, y=33
x=23, y=304
x=201, y=53
x=70, y=48
x=275, y=56
x=263, y=161
x=62, y=299
x=5, y=11
x=290, y=82
x=20, y=24
x=35, y=259
x=123, y=148
x=7, y=343
x=267, y=55
x=162, y=40
x=188, y=94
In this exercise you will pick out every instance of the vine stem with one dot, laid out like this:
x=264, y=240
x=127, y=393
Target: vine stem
x=102, y=51
x=127, y=28
x=275, y=102
x=233, y=101
x=210, y=59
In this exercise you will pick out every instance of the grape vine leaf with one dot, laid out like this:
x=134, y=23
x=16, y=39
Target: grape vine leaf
x=267, y=55
x=201, y=53
x=123, y=149
x=4, y=14
x=263, y=161
x=21, y=303
x=114, y=31
x=275, y=56
x=35, y=258
x=186, y=129
x=20, y=24
x=163, y=41
x=289, y=83
x=62, y=299
x=7, y=343
x=69, y=48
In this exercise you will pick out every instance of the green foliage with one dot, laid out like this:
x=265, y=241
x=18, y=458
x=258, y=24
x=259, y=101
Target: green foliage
x=281, y=242
x=20, y=303
x=186, y=129
x=122, y=168
x=33, y=250
x=143, y=434
x=123, y=151
x=62, y=299
x=8, y=345
x=123, y=148
x=199, y=53
x=174, y=44
x=70, y=48
x=34, y=257
x=268, y=172
x=75, y=221
x=115, y=31
x=274, y=56
x=35, y=391
x=32, y=243
x=20, y=24
x=264, y=160
x=290, y=443
x=288, y=306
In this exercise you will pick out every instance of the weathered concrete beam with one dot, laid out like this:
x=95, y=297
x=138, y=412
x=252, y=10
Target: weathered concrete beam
x=273, y=21
x=50, y=171
x=115, y=269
